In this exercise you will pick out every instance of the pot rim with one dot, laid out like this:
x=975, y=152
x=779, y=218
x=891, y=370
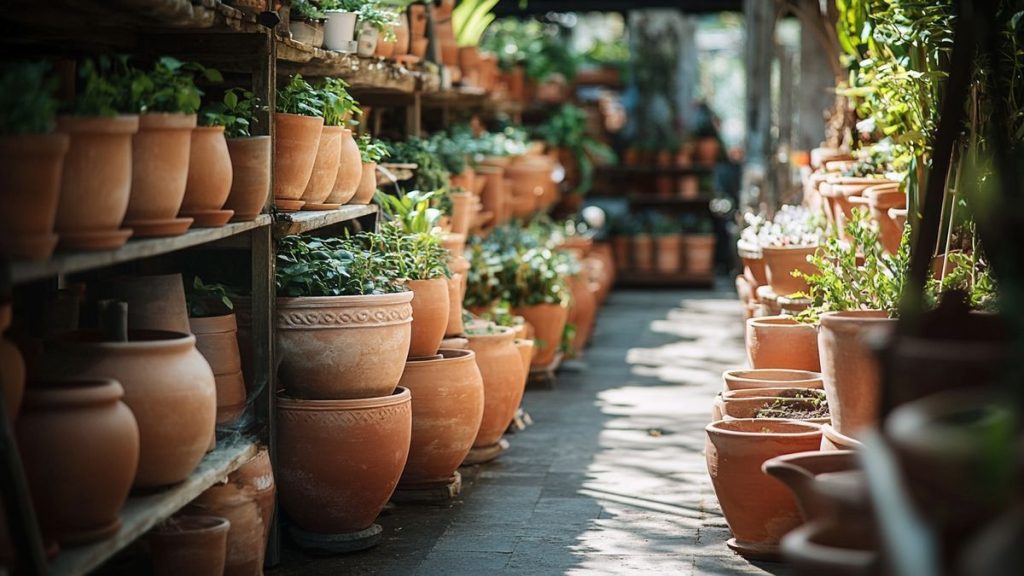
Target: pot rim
x=167, y=121
x=854, y=318
x=292, y=302
x=248, y=138
x=50, y=393
x=783, y=249
x=206, y=524
x=503, y=332
x=213, y=324
x=831, y=433
x=739, y=375
x=736, y=394
x=778, y=321
x=298, y=117
x=721, y=428
x=208, y=129
x=448, y=355
x=401, y=395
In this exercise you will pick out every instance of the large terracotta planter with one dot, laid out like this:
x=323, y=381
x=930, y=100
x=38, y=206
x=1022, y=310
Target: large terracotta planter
x=367, y=184
x=782, y=342
x=217, y=341
x=769, y=378
x=250, y=181
x=699, y=253
x=190, y=545
x=30, y=174
x=430, y=308
x=368, y=443
x=296, y=141
x=167, y=384
x=350, y=171
x=850, y=370
x=643, y=255
x=548, y=321
x=12, y=368
x=669, y=253
x=209, y=178
x=154, y=302
x=96, y=182
x=79, y=445
x=160, y=160
x=779, y=264
x=758, y=509
x=504, y=382
x=447, y=408
x=343, y=347
x=325, y=170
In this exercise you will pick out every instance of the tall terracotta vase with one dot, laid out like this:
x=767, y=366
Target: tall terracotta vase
x=548, y=321
x=296, y=143
x=779, y=264
x=250, y=180
x=430, y=306
x=367, y=184
x=782, y=342
x=209, y=178
x=325, y=170
x=217, y=341
x=189, y=545
x=504, y=382
x=30, y=173
x=12, y=368
x=160, y=159
x=350, y=171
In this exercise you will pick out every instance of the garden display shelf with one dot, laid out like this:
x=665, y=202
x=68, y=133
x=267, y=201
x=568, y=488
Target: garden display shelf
x=299, y=222
x=362, y=74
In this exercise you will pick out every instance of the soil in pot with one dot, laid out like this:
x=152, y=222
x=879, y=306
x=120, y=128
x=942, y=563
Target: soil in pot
x=209, y=178
x=325, y=170
x=250, y=180
x=31, y=166
x=295, y=146
x=548, y=321
x=430, y=307
x=160, y=168
x=501, y=368
x=189, y=545
x=367, y=184
x=782, y=342
x=779, y=264
x=217, y=341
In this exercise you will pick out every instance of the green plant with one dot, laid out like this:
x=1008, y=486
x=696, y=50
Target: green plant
x=412, y=211
x=330, y=267
x=970, y=275
x=449, y=152
x=341, y=5
x=567, y=129
x=28, y=101
x=170, y=86
x=370, y=150
x=541, y=49
x=205, y=300
x=518, y=266
x=662, y=225
x=299, y=97
x=405, y=256
x=236, y=113
x=103, y=87
x=306, y=10
x=338, y=105
x=383, y=19
x=431, y=174
x=470, y=20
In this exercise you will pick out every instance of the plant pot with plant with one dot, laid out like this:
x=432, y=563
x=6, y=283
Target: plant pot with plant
x=339, y=109
x=376, y=24
x=782, y=342
x=340, y=27
x=250, y=155
x=504, y=382
x=210, y=168
x=785, y=244
x=298, y=123
x=306, y=23
x=371, y=153
x=324, y=174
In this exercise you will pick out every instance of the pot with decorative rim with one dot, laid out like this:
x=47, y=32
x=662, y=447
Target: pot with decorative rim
x=160, y=160
x=782, y=342
x=209, y=178
x=770, y=378
x=430, y=307
x=250, y=177
x=504, y=383
x=189, y=545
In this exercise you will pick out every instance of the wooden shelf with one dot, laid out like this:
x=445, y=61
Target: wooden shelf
x=364, y=75
x=633, y=278
x=72, y=262
x=298, y=222
x=141, y=513
x=456, y=97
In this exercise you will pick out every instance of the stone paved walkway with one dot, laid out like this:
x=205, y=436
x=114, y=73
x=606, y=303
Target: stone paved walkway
x=610, y=479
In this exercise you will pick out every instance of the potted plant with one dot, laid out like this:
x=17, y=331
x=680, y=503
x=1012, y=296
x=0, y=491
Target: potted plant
x=211, y=318
x=339, y=109
x=782, y=342
x=375, y=24
x=470, y=20
x=298, y=122
x=336, y=111
x=306, y=23
x=340, y=29
x=578, y=152
x=504, y=382
x=784, y=244
x=250, y=155
x=668, y=244
x=371, y=153
x=210, y=172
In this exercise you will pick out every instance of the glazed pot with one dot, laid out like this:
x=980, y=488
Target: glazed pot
x=350, y=171
x=12, y=368
x=461, y=204
x=343, y=347
x=367, y=184
x=779, y=264
x=250, y=181
x=849, y=368
x=96, y=182
x=154, y=302
x=548, y=321
x=582, y=311
x=669, y=253
x=799, y=472
x=832, y=440
x=79, y=446
x=296, y=141
x=823, y=547
x=209, y=178
x=504, y=382
x=758, y=509
x=339, y=30
x=30, y=175
x=189, y=545
x=430, y=308
x=699, y=253
x=643, y=257
x=782, y=342
x=167, y=384
x=368, y=440
x=447, y=407
x=160, y=166
x=325, y=170
x=217, y=341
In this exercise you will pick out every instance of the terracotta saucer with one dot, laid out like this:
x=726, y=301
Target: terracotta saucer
x=336, y=543
x=249, y=217
x=320, y=207
x=288, y=205
x=159, y=228
x=486, y=453
x=94, y=240
x=35, y=247
x=209, y=218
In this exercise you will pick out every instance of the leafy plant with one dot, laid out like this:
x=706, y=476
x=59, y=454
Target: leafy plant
x=431, y=174
x=338, y=105
x=567, y=129
x=970, y=274
x=104, y=87
x=412, y=211
x=205, y=300
x=404, y=256
x=330, y=267
x=306, y=10
x=470, y=19
x=236, y=113
x=662, y=225
x=383, y=19
x=518, y=266
x=170, y=86
x=28, y=102
x=299, y=97
x=540, y=48
x=370, y=150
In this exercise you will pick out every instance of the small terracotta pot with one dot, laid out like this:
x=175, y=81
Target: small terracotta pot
x=250, y=181
x=781, y=261
x=217, y=341
x=643, y=257
x=190, y=545
x=582, y=311
x=368, y=440
x=669, y=253
x=343, y=347
x=430, y=308
x=160, y=161
x=832, y=440
x=418, y=47
x=461, y=203
x=782, y=342
x=706, y=151
x=325, y=169
x=295, y=146
x=209, y=178
x=501, y=368
x=350, y=170
x=799, y=471
x=769, y=378
x=548, y=321
x=79, y=446
x=699, y=253
x=12, y=368
x=367, y=184
x=154, y=302
x=30, y=173
x=385, y=48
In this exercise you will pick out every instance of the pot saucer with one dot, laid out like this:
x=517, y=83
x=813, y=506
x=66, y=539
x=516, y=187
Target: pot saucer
x=336, y=543
x=440, y=491
x=319, y=207
x=34, y=247
x=754, y=550
x=94, y=240
x=244, y=217
x=209, y=218
x=284, y=205
x=159, y=227
x=486, y=453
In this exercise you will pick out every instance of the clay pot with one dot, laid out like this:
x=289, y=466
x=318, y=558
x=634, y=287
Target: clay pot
x=448, y=405
x=832, y=440
x=799, y=472
x=154, y=302
x=880, y=199
x=217, y=341
x=96, y=182
x=79, y=446
x=385, y=48
x=839, y=190
x=325, y=169
x=469, y=62
x=368, y=441
x=642, y=253
x=167, y=384
x=250, y=181
x=782, y=342
x=753, y=264
x=343, y=347
x=418, y=47
x=528, y=178
x=582, y=311
x=849, y=368
x=12, y=368
x=430, y=306
x=209, y=178
x=30, y=174
x=769, y=378
x=350, y=170
x=504, y=382
x=189, y=545
x=548, y=321
x=492, y=198
x=622, y=249
x=707, y=150
x=296, y=141
x=461, y=204
x=367, y=184
x=160, y=160
x=781, y=261
x=465, y=180
x=669, y=253
x=826, y=548
x=758, y=509
x=402, y=36
x=699, y=253
x=417, y=21
x=741, y=404
x=454, y=326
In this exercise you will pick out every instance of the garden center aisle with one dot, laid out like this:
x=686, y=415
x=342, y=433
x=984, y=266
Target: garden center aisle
x=610, y=478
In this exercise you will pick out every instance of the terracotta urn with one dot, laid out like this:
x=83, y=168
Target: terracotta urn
x=209, y=178
x=325, y=170
x=368, y=440
x=447, y=408
x=250, y=180
x=504, y=382
x=669, y=250
x=217, y=341
x=781, y=261
x=12, y=368
x=430, y=307
x=548, y=321
x=759, y=509
x=582, y=311
x=30, y=176
x=367, y=184
x=167, y=384
x=154, y=302
x=79, y=446
x=643, y=253
x=782, y=342
x=343, y=347
x=96, y=182
x=189, y=545
x=296, y=143
x=350, y=171
x=160, y=161
x=699, y=254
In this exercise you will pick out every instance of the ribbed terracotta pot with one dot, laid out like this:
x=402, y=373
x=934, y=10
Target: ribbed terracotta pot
x=160, y=160
x=759, y=509
x=167, y=384
x=12, y=368
x=30, y=173
x=367, y=184
x=325, y=170
x=504, y=382
x=217, y=341
x=296, y=141
x=250, y=181
x=343, y=347
x=430, y=308
x=779, y=264
x=643, y=255
x=669, y=257
x=154, y=302
x=548, y=321
x=189, y=545
x=96, y=182
x=699, y=253
x=209, y=178
x=368, y=442
x=350, y=170
x=447, y=407
x=782, y=342
x=79, y=446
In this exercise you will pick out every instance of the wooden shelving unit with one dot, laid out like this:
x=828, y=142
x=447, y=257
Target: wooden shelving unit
x=302, y=222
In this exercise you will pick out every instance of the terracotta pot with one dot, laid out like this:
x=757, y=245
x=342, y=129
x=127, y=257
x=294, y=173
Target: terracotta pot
x=528, y=179
x=167, y=384
x=643, y=257
x=79, y=446
x=850, y=370
x=758, y=509
x=493, y=198
x=699, y=253
x=343, y=347
x=799, y=473
x=770, y=378
x=548, y=321
x=296, y=143
x=189, y=545
x=350, y=170
x=402, y=35
x=832, y=440
x=782, y=342
x=217, y=341
x=622, y=249
x=504, y=382
x=465, y=180
x=209, y=178
x=12, y=368
x=582, y=311
x=526, y=348
x=880, y=200
x=706, y=151
x=325, y=169
x=154, y=302
x=368, y=440
x=160, y=160
x=448, y=405
x=250, y=182
x=743, y=404
x=454, y=326
x=418, y=47
x=367, y=184
x=779, y=264
x=461, y=203
x=430, y=308
x=669, y=253
x=96, y=182
x=417, y=20
x=838, y=191
x=30, y=174
x=385, y=48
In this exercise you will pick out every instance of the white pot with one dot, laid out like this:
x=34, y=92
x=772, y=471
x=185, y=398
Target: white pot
x=340, y=30
x=368, y=40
